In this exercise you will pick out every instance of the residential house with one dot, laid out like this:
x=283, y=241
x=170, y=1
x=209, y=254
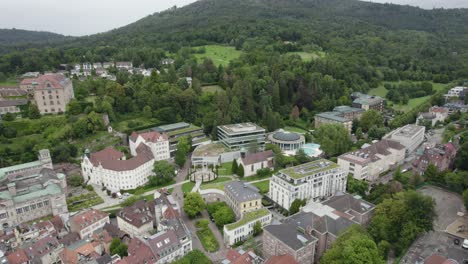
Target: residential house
x=434, y=115
x=371, y=161
x=44, y=251
x=314, y=180
x=85, y=223
x=138, y=219
x=251, y=162
x=124, y=65
x=17, y=256
x=458, y=91
x=442, y=156
x=167, y=61
x=242, y=197
x=242, y=257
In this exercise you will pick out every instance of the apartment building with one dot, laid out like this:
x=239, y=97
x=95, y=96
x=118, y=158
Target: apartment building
x=158, y=143
x=333, y=118
x=244, y=227
x=85, y=223
x=368, y=102
x=137, y=219
x=313, y=180
x=442, y=156
x=372, y=160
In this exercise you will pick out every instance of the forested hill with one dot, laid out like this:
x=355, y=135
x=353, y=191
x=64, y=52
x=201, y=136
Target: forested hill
x=18, y=37
x=394, y=36
x=227, y=20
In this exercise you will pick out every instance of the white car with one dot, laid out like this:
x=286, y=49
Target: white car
x=465, y=244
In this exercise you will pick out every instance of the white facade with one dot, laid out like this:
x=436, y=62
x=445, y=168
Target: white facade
x=314, y=180
x=133, y=230
x=159, y=146
x=410, y=136
x=236, y=232
x=368, y=163
x=455, y=91
x=116, y=180
x=251, y=169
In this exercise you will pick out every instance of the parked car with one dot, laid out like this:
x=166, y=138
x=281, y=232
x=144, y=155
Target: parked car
x=465, y=244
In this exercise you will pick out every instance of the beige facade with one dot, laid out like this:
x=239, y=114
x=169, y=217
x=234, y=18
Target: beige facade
x=134, y=230
x=51, y=92
x=328, y=118
x=242, y=198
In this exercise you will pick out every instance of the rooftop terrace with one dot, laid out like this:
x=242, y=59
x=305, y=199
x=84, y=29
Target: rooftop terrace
x=209, y=150
x=308, y=169
x=241, y=128
x=248, y=217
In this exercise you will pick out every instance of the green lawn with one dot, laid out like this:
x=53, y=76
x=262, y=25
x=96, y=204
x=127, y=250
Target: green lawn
x=256, y=178
x=295, y=129
x=263, y=186
x=225, y=169
x=83, y=201
x=187, y=187
x=212, y=89
x=133, y=122
x=308, y=56
x=412, y=103
x=220, y=55
x=208, y=240
x=216, y=184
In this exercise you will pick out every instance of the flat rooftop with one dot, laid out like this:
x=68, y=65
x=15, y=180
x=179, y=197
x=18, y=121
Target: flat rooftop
x=335, y=116
x=241, y=128
x=210, y=150
x=308, y=169
x=171, y=127
x=408, y=131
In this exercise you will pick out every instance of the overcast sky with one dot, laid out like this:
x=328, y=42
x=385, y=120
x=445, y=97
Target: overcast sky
x=85, y=17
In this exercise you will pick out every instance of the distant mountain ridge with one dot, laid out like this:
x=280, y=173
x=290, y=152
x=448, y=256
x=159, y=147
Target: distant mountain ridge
x=20, y=36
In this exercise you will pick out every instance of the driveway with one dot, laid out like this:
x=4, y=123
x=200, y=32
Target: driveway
x=438, y=241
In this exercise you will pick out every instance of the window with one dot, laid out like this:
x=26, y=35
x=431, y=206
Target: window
x=19, y=210
x=46, y=203
x=51, y=102
x=57, y=97
x=3, y=215
x=50, y=96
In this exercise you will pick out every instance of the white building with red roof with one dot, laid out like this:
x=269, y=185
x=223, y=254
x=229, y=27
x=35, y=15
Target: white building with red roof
x=110, y=168
x=87, y=222
x=52, y=92
x=158, y=143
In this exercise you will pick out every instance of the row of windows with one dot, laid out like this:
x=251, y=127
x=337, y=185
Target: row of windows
x=52, y=110
x=51, y=102
x=31, y=207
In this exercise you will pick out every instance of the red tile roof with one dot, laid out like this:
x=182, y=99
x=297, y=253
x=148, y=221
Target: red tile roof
x=17, y=257
x=42, y=247
x=435, y=259
x=236, y=258
x=68, y=256
x=283, y=259
x=50, y=80
x=257, y=157
x=152, y=136
x=58, y=223
x=138, y=214
x=88, y=218
x=111, y=159
x=139, y=253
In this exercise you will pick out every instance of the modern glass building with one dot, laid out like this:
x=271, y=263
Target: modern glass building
x=244, y=135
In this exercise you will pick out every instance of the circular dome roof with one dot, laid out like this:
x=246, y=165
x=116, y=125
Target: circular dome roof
x=286, y=136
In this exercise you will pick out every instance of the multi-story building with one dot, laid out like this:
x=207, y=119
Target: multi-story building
x=44, y=251
x=242, y=257
x=111, y=169
x=11, y=106
x=410, y=136
x=457, y=91
x=435, y=114
x=368, y=102
x=242, y=197
x=333, y=118
x=52, y=92
x=158, y=143
x=251, y=162
x=85, y=223
x=244, y=227
x=348, y=112
x=371, y=161
x=442, y=156
x=245, y=135
x=179, y=130
x=30, y=191
x=138, y=219
x=313, y=180
x=308, y=234
x=124, y=65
